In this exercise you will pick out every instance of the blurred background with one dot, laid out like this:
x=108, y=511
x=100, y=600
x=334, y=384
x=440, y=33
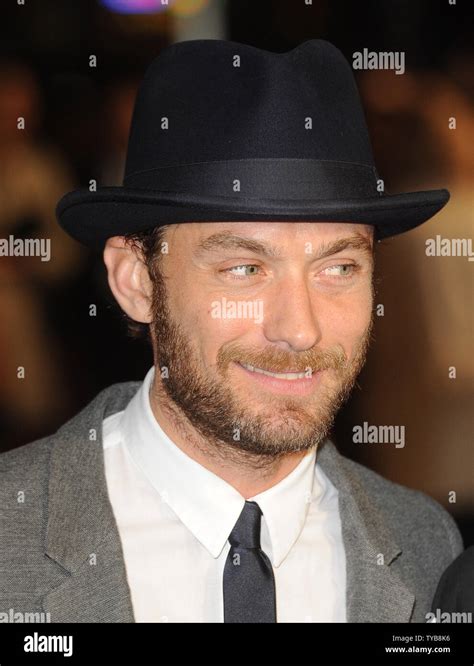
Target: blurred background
x=76, y=129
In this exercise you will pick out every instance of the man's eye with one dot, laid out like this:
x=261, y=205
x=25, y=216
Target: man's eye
x=341, y=270
x=242, y=273
x=250, y=270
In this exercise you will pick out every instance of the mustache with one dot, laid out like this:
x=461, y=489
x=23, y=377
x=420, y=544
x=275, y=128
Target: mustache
x=277, y=360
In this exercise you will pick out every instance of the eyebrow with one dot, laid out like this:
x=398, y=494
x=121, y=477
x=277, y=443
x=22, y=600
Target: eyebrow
x=226, y=240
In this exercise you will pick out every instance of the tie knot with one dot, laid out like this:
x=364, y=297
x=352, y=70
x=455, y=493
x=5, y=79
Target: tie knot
x=246, y=532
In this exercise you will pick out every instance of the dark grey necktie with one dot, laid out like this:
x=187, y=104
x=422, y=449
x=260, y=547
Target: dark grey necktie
x=249, y=584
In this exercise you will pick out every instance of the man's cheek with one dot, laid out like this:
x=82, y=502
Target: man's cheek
x=346, y=324
x=213, y=328
x=350, y=334
x=233, y=316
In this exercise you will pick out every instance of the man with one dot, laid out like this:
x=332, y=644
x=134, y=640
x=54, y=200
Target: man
x=242, y=240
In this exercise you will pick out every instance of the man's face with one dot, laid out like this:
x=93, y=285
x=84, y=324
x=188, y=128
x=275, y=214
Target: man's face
x=279, y=296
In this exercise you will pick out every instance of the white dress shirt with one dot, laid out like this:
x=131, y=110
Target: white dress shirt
x=174, y=518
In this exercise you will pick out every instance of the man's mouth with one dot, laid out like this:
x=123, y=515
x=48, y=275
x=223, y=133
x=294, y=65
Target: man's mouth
x=277, y=375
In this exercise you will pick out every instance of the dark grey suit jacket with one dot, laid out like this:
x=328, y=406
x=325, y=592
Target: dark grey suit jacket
x=56, y=520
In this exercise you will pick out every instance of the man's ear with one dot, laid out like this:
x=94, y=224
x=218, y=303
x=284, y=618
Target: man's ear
x=128, y=279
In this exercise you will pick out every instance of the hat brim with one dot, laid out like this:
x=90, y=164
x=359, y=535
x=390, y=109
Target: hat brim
x=92, y=217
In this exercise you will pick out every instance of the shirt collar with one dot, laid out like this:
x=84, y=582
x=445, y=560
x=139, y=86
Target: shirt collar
x=206, y=504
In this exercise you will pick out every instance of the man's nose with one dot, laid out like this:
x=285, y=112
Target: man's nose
x=291, y=317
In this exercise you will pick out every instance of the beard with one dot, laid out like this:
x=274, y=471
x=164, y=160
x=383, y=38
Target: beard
x=229, y=420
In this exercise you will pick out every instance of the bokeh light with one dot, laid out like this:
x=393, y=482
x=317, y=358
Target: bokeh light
x=135, y=6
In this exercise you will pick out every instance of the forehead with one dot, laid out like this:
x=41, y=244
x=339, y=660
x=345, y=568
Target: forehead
x=282, y=234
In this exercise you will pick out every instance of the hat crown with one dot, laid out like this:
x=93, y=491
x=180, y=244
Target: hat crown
x=223, y=131
x=212, y=100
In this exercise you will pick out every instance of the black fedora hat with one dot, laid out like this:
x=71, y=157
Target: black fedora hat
x=223, y=131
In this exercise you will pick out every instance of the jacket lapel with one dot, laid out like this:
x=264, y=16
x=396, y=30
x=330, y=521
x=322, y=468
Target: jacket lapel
x=82, y=535
x=375, y=593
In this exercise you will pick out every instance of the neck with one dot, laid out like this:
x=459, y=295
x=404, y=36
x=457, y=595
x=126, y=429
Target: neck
x=248, y=473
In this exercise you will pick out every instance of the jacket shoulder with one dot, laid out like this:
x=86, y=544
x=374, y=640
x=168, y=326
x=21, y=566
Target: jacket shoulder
x=25, y=462
x=411, y=515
